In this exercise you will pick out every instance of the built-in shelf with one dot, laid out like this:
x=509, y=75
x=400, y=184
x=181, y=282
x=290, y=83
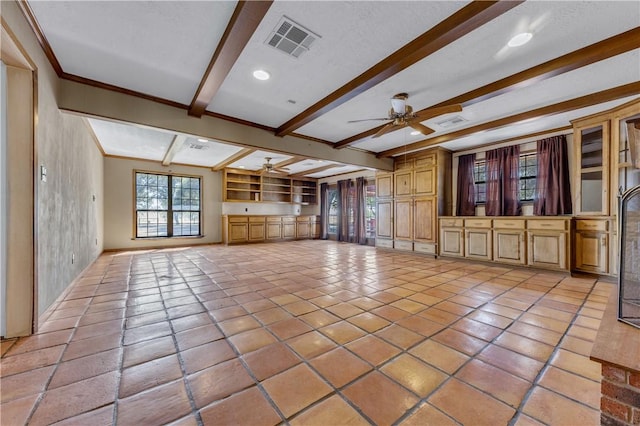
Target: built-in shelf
x=245, y=186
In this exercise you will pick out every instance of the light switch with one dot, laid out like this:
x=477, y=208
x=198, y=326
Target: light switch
x=43, y=173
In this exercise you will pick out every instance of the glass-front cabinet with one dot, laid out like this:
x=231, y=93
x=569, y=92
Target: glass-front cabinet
x=591, y=146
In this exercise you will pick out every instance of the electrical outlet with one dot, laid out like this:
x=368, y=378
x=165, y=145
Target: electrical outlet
x=43, y=173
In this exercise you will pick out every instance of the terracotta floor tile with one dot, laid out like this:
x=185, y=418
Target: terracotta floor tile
x=414, y=375
x=510, y=361
x=333, y=411
x=197, y=336
x=146, y=332
x=577, y=364
x=344, y=310
x=556, y=325
x=148, y=375
x=340, y=366
x=369, y=322
x=390, y=313
x=579, y=346
x=39, y=341
x=145, y=319
x=551, y=408
x=439, y=355
x=83, y=368
x=71, y=400
x=501, y=310
x=251, y=340
x=319, y=318
x=477, y=329
x=491, y=319
x=296, y=388
x=285, y=299
x=536, y=333
x=409, y=306
x=531, y=348
x=17, y=412
x=439, y=316
x=420, y=325
x=571, y=385
x=98, y=417
x=365, y=303
x=31, y=360
x=460, y=341
x=428, y=415
x=259, y=305
x=424, y=299
x=191, y=321
x=23, y=384
x=159, y=405
x=325, y=301
x=218, y=382
x=342, y=332
x=524, y=420
x=270, y=360
x=582, y=332
x=400, y=336
x=308, y=294
x=228, y=312
x=148, y=350
x=453, y=308
x=206, y=355
x=289, y=328
x=454, y=396
x=310, y=345
x=61, y=324
x=373, y=349
x=91, y=346
x=380, y=398
x=248, y=407
x=272, y=315
x=494, y=381
x=588, y=322
x=238, y=325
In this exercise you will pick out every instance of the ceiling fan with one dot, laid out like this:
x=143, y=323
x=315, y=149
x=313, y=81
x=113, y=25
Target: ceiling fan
x=268, y=167
x=401, y=115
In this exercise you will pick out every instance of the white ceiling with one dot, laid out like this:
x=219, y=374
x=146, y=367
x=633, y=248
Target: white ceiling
x=162, y=49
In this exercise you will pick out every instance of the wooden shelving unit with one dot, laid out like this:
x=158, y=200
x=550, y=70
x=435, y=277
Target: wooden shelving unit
x=240, y=185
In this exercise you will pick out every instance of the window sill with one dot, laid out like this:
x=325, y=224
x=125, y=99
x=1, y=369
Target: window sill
x=186, y=237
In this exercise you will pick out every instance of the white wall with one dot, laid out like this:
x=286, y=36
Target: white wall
x=119, y=214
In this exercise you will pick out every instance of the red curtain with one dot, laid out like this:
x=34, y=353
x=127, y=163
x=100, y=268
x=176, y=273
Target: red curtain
x=553, y=189
x=503, y=181
x=466, y=197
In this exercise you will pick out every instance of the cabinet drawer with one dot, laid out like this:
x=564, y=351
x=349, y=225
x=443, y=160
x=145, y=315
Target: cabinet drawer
x=403, y=245
x=477, y=223
x=508, y=224
x=288, y=219
x=428, y=248
x=256, y=218
x=238, y=219
x=592, y=225
x=274, y=219
x=451, y=223
x=429, y=160
x=556, y=225
x=381, y=242
x=302, y=219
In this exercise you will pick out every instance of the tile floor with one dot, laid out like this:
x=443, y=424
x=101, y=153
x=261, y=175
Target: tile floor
x=309, y=333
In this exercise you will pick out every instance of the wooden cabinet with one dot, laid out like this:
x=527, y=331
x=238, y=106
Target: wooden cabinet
x=424, y=181
x=257, y=228
x=451, y=237
x=253, y=229
x=303, y=231
x=425, y=224
x=591, y=245
x=275, y=189
x=288, y=227
x=304, y=192
x=509, y=241
x=384, y=185
x=384, y=223
x=241, y=185
x=237, y=230
x=403, y=183
x=547, y=244
x=403, y=229
x=274, y=228
x=477, y=238
x=591, y=152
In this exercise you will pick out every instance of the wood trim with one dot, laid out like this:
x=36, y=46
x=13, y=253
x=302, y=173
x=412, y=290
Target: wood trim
x=316, y=170
x=26, y=10
x=567, y=129
x=176, y=144
x=467, y=19
x=292, y=160
x=604, y=49
x=570, y=105
x=15, y=42
x=232, y=159
x=243, y=23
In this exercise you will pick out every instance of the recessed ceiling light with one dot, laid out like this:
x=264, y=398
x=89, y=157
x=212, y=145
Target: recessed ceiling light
x=415, y=133
x=202, y=140
x=241, y=167
x=519, y=39
x=261, y=75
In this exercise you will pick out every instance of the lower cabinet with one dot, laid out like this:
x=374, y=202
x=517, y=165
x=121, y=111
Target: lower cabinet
x=403, y=229
x=274, y=228
x=509, y=244
x=252, y=229
x=547, y=249
x=591, y=241
x=288, y=228
x=477, y=238
x=257, y=228
x=237, y=230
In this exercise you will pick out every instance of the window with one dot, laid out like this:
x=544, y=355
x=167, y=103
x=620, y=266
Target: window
x=333, y=210
x=370, y=208
x=163, y=197
x=528, y=169
x=479, y=177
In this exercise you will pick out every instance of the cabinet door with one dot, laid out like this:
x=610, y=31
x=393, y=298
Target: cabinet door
x=424, y=219
x=509, y=246
x=591, y=143
x=302, y=230
x=384, y=185
x=477, y=243
x=403, y=220
x=424, y=181
x=384, y=219
x=451, y=242
x=238, y=232
x=288, y=229
x=274, y=230
x=256, y=231
x=547, y=249
x=403, y=183
x=591, y=251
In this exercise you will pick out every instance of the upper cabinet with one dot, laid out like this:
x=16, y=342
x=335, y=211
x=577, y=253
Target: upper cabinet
x=591, y=144
x=246, y=186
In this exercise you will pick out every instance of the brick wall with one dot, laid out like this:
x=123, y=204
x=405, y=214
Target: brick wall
x=620, y=402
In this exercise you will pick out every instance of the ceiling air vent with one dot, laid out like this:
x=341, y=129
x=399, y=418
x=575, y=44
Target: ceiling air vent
x=450, y=122
x=291, y=37
x=198, y=146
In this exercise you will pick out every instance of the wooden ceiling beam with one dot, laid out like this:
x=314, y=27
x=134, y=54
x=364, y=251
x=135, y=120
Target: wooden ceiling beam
x=292, y=160
x=232, y=159
x=176, y=145
x=565, y=106
x=588, y=55
x=459, y=24
x=244, y=21
x=316, y=170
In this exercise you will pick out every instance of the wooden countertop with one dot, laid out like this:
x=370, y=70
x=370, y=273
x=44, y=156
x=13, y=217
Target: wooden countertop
x=617, y=343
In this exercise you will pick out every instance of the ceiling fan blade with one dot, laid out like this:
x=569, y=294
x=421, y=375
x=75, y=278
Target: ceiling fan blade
x=369, y=119
x=434, y=112
x=385, y=129
x=421, y=128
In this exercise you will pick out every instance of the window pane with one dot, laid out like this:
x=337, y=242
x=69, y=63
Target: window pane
x=186, y=223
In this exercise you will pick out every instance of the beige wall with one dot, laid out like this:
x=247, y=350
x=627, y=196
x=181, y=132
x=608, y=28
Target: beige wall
x=119, y=204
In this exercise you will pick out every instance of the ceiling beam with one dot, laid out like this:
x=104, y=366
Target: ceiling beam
x=459, y=24
x=244, y=21
x=565, y=106
x=316, y=170
x=232, y=159
x=292, y=160
x=174, y=148
x=588, y=55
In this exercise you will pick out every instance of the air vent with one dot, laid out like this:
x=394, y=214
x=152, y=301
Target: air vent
x=450, y=122
x=291, y=38
x=198, y=146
